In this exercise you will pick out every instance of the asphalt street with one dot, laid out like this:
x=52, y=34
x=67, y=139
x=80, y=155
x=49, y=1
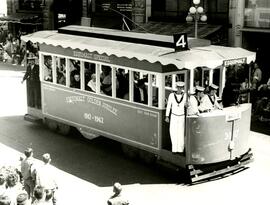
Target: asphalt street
x=86, y=169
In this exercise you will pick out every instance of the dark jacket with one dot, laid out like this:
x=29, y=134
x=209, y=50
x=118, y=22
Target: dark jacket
x=32, y=75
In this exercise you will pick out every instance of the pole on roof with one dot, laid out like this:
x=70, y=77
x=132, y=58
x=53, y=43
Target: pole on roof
x=125, y=24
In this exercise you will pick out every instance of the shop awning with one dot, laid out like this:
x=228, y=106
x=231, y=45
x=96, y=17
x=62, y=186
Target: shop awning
x=257, y=30
x=22, y=18
x=170, y=28
x=209, y=56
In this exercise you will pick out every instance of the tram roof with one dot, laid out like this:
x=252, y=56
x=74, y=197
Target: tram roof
x=209, y=56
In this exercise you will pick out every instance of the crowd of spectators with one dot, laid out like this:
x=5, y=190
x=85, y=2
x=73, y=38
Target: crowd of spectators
x=239, y=89
x=12, y=49
x=29, y=182
x=260, y=95
x=32, y=182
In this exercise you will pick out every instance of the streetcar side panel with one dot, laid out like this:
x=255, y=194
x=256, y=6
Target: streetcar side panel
x=214, y=137
x=121, y=121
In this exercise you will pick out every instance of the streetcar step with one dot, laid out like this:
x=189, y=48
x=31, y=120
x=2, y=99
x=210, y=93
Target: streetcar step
x=200, y=174
x=32, y=118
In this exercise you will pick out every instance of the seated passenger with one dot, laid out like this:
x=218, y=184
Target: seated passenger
x=209, y=102
x=61, y=74
x=76, y=83
x=123, y=83
x=230, y=94
x=244, y=89
x=92, y=83
x=106, y=81
x=48, y=70
x=140, y=92
x=195, y=101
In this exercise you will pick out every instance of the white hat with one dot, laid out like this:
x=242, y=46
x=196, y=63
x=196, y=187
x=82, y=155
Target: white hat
x=117, y=186
x=31, y=58
x=214, y=86
x=180, y=84
x=200, y=88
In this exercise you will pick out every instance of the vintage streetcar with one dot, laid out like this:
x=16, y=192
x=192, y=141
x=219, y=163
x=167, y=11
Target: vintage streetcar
x=75, y=60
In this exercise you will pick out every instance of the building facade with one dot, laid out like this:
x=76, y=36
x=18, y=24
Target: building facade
x=251, y=28
x=114, y=13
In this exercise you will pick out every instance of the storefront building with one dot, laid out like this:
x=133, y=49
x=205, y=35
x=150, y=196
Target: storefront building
x=120, y=14
x=251, y=29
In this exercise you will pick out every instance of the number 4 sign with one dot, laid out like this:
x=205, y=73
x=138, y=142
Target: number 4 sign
x=180, y=41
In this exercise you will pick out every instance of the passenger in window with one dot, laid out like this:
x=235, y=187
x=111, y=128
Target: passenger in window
x=123, y=83
x=74, y=65
x=61, y=74
x=136, y=76
x=48, y=69
x=231, y=93
x=140, y=92
x=168, y=81
x=106, y=80
x=76, y=82
x=74, y=70
x=92, y=83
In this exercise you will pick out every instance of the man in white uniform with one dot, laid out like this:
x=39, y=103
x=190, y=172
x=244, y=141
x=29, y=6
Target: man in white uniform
x=176, y=105
x=209, y=102
x=195, y=101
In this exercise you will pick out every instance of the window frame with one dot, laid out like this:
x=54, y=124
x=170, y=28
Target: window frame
x=159, y=78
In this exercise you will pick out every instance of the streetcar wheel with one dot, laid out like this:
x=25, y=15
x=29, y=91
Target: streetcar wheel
x=130, y=151
x=147, y=157
x=63, y=129
x=51, y=124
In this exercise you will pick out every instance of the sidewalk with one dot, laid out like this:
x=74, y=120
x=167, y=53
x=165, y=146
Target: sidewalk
x=10, y=67
x=72, y=190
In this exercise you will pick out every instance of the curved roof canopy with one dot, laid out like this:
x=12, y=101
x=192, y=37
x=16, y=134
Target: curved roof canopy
x=209, y=56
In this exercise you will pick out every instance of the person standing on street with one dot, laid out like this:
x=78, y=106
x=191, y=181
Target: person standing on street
x=26, y=172
x=176, y=108
x=45, y=176
x=33, y=84
x=117, y=198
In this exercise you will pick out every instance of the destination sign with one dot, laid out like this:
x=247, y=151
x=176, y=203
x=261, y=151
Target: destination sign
x=234, y=61
x=91, y=56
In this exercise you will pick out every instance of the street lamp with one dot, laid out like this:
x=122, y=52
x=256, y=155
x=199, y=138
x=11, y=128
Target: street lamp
x=196, y=13
x=43, y=3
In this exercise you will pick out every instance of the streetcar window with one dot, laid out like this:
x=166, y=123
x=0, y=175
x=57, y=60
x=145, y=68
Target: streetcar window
x=47, y=68
x=198, y=77
x=140, y=87
x=75, y=77
x=211, y=76
x=122, y=76
x=60, y=71
x=168, y=81
x=171, y=79
x=205, y=78
x=90, y=76
x=216, y=79
x=108, y=81
x=155, y=90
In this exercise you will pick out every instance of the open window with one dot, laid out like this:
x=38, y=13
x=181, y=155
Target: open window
x=47, y=68
x=60, y=71
x=75, y=75
x=122, y=76
x=90, y=76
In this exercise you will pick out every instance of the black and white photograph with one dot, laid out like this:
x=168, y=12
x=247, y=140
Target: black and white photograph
x=133, y=102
